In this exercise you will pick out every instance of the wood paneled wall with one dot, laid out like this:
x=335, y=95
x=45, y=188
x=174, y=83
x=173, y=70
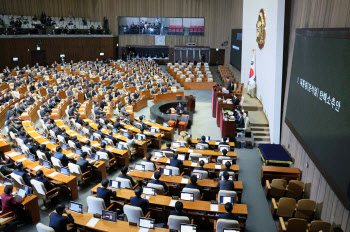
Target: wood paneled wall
x=220, y=16
x=315, y=14
x=75, y=48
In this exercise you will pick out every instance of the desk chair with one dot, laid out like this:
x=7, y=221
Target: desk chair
x=13, y=138
x=293, y=225
x=124, y=183
x=97, y=137
x=202, y=146
x=276, y=189
x=56, y=163
x=221, y=224
x=7, y=217
x=221, y=158
x=96, y=205
x=148, y=166
x=72, y=145
x=41, y=155
x=317, y=226
x=61, y=140
x=78, y=126
x=175, y=170
x=25, y=149
x=246, y=125
x=53, y=135
x=284, y=208
x=295, y=189
x=158, y=187
x=173, y=120
x=40, y=191
x=104, y=157
x=196, y=193
x=230, y=173
x=174, y=222
x=75, y=170
x=86, y=132
x=86, y=149
x=194, y=156
x=222, y=147
x=226, y=193
x=109, y=141
x=204, y=173
x=19, y=142
x=17, y=180
x=44, y=228
x=305, y=209
x=133, y=214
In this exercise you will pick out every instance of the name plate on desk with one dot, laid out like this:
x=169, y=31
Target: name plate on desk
x=168, y=161
x=184, y=181
x=53, y=174
x=12, y=154
x=172, y=203
x=193, y=164
x=214, y=207
x=20, y=160
x=37, y=168
x=190, y=150
x=96, y=145
x=131, y=128
x=110, y=149
x=217, y=166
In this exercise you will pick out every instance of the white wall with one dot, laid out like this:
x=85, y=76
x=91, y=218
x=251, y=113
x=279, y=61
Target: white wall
x=268, y=60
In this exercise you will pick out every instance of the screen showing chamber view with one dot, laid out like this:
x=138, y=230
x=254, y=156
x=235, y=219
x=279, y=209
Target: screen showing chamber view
x=161, y=26
x=318, y=108
x=236, y=48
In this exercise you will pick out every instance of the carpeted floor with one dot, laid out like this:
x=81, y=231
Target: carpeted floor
x=259, y=219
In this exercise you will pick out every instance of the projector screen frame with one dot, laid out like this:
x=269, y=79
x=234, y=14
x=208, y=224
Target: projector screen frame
x=339, y=33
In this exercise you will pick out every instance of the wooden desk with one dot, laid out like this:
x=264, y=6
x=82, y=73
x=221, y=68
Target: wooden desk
x=167, y=97
x=30, y=205
x=140, y=104
x=195, y=206
x=6, y=108
x=220, y=105
x=232, y=154
x=273, y=172
x=227, y=127
x=85, y=109
x=168, y=131
x=70, y=181
x=82, y=219
x=5, y=146
x=212, y=143
x=217, y=93
x=199, y=85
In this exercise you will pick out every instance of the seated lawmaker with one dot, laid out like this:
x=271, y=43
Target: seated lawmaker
x=174, y=162
x=22, y=173
x=105, y=193
x=193, y=183
x=235, y=100
x=228, y=215
x=223, y=142
x=178, y=209
x=83, y=163
x=59, y=222
x=139, y=202
x=62, y=157
x=203, y=141
x=201, y=166
x=168, y=148
x=123, y=175
x=226, y=184
x=156, y=180
x=148, y=159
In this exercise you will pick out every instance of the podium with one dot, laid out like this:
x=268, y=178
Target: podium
x=191, y=103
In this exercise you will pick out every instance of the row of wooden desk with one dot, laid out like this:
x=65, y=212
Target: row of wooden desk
x=167, y=97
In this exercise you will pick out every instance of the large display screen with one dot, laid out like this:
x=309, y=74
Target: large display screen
x=161, y=26
x=318, y=108
x=236, y=48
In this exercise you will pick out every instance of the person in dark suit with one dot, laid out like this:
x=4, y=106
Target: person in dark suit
x=227, y=167
x=20, y=109
x=224, y=152
x=168, y=148
x=223, y=141
x=231, y=87
x=148, y=159
x=59, y=222
x=228, y=215
x=228, y=83
x=123, y=175
x=42, y=111
x=139, y=202
x=240, y=120
x=201, y=164
x=10, y=112
x=20, y=171
x=57, y=98
x=178, y=209
x=110, y=136
x=105, y=193
x=23, y=137
x=193, y=183
x=64, y=135
x=103, y=103
x=46, y=151
x=226, y=184
x=83, y=163
x=156, y=180
x=174, y=162
x=71, y=111
x=76, y=142
x=203, y=140
x=235, y=100
x=32, y=146
x=40, y=177
x=62, y=157
x=117, y=124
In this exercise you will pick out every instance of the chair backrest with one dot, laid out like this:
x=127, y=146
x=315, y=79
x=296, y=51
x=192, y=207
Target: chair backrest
x=185, y=117
x=74, y=169
x=295, y=189
x=286, y=207
x=173, y=117
x=72, y=144
x=297, y=225
x=56, y=162
x=133, y=213
x=176, y=221
x=41, y=155
x=158, y=187
x=52, y=133
x=175, y=170
x=38, y=189
x=148, y=166
x=305, y=209
x=203, y=172
x=95, y=205
x=195, y=156
x=124, y=183
x=43, y=228
x=17, y=180
x=86, y=149
x=317, y=226
x=226, y=193
x=19, y=141
x=226, y=147
x=278, y=187
x=196, y=192
x=61, y=139
x=221, y=224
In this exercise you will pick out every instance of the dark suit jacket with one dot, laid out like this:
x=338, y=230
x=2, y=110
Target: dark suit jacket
x=235, y=101
x=140, y=202
x=26, y=178
x=226, y=185
x=59, y=222
x=106, y=195
x=46, y=183
x=84, y=164
x=176, y=213
x=194, y=186
x=62, y=157
x=240, y=123
x=160, y=183
x=127, y=177
x=229, y=216
x=175, y=163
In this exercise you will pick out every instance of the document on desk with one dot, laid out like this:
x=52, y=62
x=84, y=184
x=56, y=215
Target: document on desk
x=143, y=230
x=53, y=174
x=168, y=161
x=46, y=142
x=172, y=203
x=131, y=128
x=194, y=164
x=69, y=131
x=217, y=166
x=37, y=168
x=93, y=221
x=214, y=207
x=110, y=148
x=20, y=160
x=118, y=136
x=38, y=137
x=84, y=139
x=184, y=181
x=12, y=154
x=70, y=155
x=190, y=150
x=96, y=145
